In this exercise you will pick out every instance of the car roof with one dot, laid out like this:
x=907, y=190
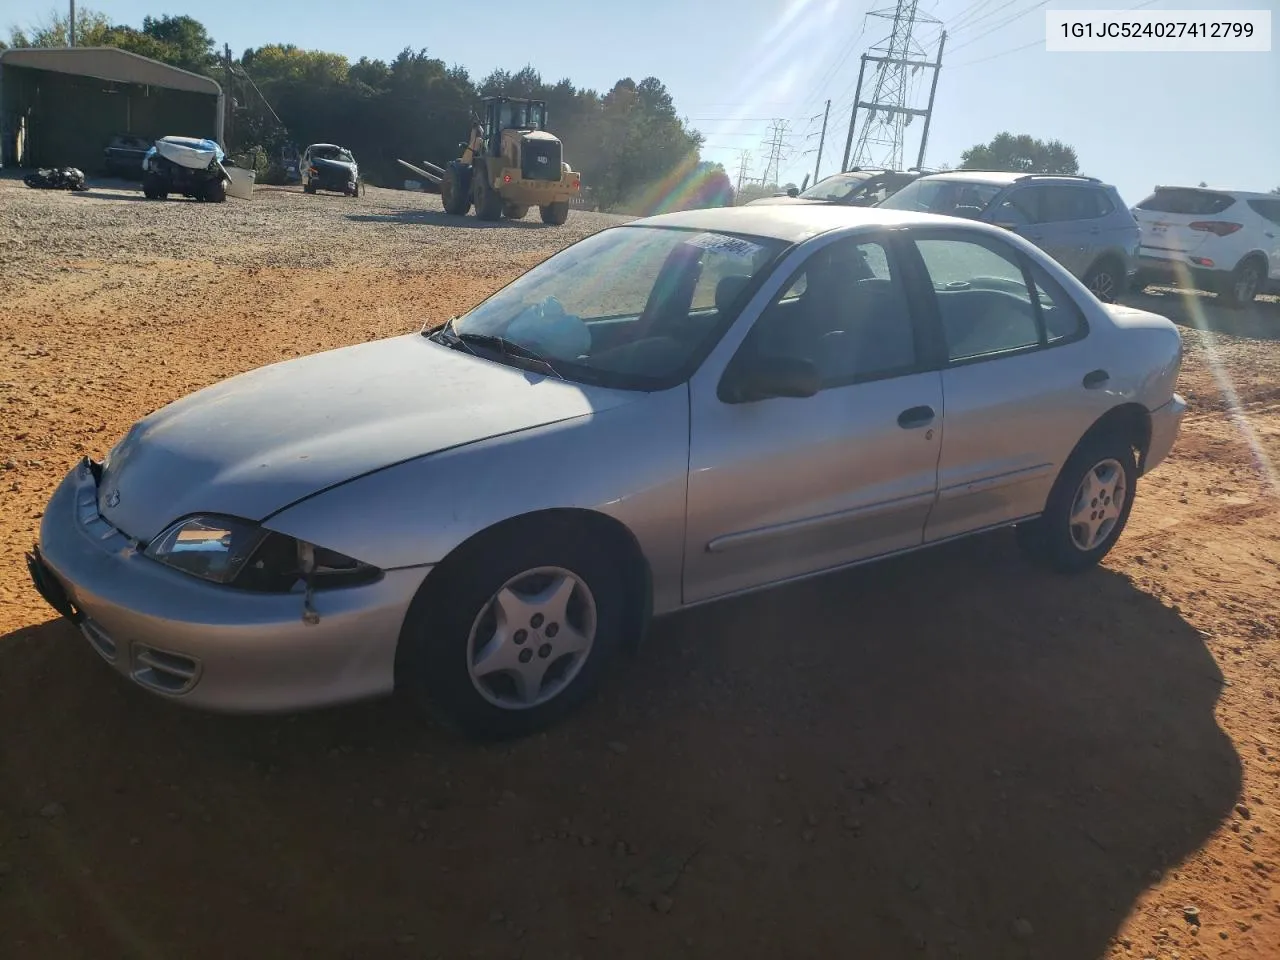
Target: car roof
x=1005, y=178
x=1238, y=194
x=334, y=145
x=795, y=222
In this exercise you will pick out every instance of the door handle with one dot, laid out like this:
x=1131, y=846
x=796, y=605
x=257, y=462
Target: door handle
x=916, y=417
x=1096, y=379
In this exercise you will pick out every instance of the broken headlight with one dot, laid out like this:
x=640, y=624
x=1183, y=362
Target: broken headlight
x=239, y=553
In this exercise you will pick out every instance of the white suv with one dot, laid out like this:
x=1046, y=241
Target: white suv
x=1222, y=240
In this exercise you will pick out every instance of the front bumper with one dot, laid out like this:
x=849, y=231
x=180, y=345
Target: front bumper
x=1165, y=424
x=207, y=645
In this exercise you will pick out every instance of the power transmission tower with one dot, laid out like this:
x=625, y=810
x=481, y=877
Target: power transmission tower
x=744, y=160
x=776, y=145
x=897, y=59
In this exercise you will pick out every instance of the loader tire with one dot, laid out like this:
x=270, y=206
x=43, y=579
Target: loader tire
x=456, y=200
x=555, y=213
x=488, y=202
x=515, y=211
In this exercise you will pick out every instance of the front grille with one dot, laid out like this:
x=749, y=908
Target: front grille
x=164, y=672
x=540, y=159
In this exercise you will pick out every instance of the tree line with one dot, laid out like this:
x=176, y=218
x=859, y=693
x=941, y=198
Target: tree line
x=634, y=151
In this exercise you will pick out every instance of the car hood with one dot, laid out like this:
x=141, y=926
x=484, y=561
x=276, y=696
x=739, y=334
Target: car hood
x=774, y=201
x=256, y=443
x=334, y=166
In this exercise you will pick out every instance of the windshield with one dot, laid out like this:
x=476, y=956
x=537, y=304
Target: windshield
x=839, y=187
x=943, y=196
x=332, y=153
x=629, y=307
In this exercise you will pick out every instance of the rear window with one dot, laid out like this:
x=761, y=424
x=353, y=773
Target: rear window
x=1270, y=209
x=1193, y=203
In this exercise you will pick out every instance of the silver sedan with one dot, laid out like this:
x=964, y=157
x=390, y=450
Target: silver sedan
x=669, y=412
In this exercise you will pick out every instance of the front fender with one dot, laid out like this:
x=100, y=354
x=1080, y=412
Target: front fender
x=629, y=462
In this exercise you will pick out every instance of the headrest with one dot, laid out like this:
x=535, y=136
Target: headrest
x=728, y=290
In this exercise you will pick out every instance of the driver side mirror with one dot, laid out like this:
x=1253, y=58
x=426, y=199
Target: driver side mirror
x=763, y=378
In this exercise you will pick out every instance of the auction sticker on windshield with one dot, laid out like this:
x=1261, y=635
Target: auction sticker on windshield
x=720, y=243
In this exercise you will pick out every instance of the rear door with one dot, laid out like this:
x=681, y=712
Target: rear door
x=1268, y=209
x=1166, y=219
x=1020, y=380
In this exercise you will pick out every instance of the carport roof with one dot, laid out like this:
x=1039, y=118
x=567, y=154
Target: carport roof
x=109, y=63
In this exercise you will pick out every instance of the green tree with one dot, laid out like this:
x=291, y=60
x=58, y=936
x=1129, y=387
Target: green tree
x=183, y=40
x=1021, y=154
x=52, y=30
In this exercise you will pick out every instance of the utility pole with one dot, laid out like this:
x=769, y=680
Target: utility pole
x=821, y=140
x=228, y=96
x=880, y=138
x=933, y=90
x=71, y=26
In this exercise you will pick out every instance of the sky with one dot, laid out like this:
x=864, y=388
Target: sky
x=735, y=66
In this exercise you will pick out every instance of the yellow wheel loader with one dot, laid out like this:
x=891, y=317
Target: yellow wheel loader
x=509, y=164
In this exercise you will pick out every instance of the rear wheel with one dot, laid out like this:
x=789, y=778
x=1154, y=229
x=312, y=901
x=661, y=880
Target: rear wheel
x=515, y=211
x=555, y=213
x=488, y=202
x=456, y=200
x=1087, y=508
x=1243, y=283
x=515, y=632
x=1105, y=280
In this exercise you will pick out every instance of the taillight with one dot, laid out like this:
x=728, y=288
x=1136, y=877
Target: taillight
x=506, y=178
x=1219, y=228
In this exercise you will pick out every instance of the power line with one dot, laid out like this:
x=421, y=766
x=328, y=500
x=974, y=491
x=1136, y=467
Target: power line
x=1001, y=25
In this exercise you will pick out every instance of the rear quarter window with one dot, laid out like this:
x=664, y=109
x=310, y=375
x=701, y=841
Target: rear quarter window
x=1267, y=209
x=1193, y=203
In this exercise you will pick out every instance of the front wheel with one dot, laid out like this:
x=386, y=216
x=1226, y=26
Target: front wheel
x=487, y=200
x=512, y=637
x=555, y=213
x=1087, y=508
x=456, y=201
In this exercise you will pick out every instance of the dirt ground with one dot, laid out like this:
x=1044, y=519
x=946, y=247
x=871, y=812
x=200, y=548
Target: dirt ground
x=950, y=755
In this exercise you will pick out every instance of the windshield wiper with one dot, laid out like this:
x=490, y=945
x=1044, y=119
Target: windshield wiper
x=506, y=347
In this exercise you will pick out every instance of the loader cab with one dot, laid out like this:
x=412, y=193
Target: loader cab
x=510, y=113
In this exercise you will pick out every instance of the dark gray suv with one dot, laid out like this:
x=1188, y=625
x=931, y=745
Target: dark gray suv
x=1079, y=221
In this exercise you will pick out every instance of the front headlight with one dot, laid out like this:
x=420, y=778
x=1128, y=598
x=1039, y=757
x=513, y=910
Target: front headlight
x=239, y=553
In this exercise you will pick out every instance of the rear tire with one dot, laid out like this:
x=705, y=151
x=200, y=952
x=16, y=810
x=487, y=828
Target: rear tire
x=1105, y=280
x=451, y=621
x=1087, y=508
x=215, y=191
x=1242, y=285
x=555, y=213
x=487, y=201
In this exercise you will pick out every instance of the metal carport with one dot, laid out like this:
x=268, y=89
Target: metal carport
x=62, y=105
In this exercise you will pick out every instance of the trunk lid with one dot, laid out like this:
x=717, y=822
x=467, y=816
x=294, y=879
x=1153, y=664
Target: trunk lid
x=1166, y=216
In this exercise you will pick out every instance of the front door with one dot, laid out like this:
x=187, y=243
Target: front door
x=783, y=487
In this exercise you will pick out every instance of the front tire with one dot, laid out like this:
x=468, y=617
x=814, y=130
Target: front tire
x=1087, y=508
x=154, y=188
x=487, y=201
x=515, y=632
x=1243, y=284
x=215, y=191
x=456, y=200
x=555, y=213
